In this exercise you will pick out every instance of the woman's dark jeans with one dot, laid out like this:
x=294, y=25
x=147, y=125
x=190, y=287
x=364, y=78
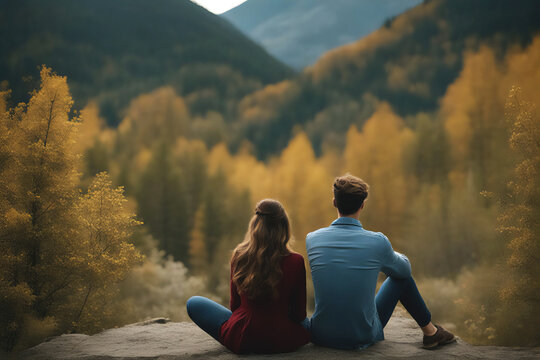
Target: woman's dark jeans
x=207, y=314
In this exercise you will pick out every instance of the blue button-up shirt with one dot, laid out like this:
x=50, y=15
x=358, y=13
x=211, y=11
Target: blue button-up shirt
x=345, y=261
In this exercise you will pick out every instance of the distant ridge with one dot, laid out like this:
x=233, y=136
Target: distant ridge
x=298, y=32
x=113, y=50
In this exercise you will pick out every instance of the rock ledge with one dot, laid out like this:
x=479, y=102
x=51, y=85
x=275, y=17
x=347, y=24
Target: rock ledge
x=160, y=339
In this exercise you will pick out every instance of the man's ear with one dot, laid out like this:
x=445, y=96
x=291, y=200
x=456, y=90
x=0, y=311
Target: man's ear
x=334, y=202
x=364, y=203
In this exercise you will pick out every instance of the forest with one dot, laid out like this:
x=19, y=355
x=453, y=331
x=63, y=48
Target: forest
x=102, y=226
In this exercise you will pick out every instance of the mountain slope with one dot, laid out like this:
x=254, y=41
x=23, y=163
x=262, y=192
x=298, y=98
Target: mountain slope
x=116, y=49
x=409, y=63
x=298, y=32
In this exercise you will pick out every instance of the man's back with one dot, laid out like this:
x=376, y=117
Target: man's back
x=345, y=261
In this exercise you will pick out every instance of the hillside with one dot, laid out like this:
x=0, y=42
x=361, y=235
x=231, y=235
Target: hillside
x=298, y=32
x=409, y=62
x=113, y=50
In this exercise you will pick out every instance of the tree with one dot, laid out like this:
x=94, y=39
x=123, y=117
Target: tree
x=90, y=143
x=473, y=109
x=46, y=177
x=104, y=254
x=198, y=255
x=49, y=251
x=162, y=199
x=521, y=222
x=189, y=157
x=300, y=182
x=16, y=296
x=160, y=114
x=380, y=163
x=430, y=155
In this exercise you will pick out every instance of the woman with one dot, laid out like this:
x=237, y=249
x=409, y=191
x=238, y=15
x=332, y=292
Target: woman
x=268, y=290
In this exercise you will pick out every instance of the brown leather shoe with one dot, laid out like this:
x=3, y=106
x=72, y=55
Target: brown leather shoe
x=441, y=337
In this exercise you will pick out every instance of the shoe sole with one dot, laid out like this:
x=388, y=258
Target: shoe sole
x=437, y=344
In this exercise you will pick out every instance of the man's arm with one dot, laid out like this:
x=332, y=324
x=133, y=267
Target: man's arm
x=394, y=264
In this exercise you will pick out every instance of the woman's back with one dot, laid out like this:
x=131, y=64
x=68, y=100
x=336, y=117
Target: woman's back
x=267, y=324
x=268, y=290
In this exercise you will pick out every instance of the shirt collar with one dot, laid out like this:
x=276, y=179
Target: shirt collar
x=347, y=221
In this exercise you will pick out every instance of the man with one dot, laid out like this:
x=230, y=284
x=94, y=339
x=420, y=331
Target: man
x=345, y=261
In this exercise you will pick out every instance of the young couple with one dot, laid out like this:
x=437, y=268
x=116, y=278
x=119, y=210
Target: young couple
x=268, y=284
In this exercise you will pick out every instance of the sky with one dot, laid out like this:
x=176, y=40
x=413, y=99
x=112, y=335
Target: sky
x=218, y=6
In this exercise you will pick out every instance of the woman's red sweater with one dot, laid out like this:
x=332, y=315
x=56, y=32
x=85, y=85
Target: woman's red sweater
x=270, y=325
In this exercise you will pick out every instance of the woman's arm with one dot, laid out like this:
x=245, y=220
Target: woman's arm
x=235, y=297
x=298, y=299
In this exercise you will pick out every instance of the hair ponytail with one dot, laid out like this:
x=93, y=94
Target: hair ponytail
x=256, y=260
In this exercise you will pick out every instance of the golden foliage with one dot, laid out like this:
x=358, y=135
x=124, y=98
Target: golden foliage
x=91, y=126
x=160, y=114
x=263, y=104
x=104, y=254
x=61, y=253
x=520, y=219
x=473, y=113
x=296, y=178
x=377, y=155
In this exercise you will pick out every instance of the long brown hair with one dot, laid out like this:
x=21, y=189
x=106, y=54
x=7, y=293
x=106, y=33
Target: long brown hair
x=256, y=261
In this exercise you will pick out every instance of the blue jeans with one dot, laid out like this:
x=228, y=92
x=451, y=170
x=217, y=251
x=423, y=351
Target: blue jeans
x=406, y=292
x=209, y=315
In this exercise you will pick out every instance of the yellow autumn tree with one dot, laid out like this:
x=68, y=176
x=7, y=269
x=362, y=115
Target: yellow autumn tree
x=473, y=113
x=93, y=142
x=91, y=125
x=160, y=115
x=38, y=224
x=104, y=254
x=521, y=222
x=53, y=246
x=243, y=170
x=304, y=186
x=16, y=297
x=479, y=95
x=263, y=104
x=377, y=155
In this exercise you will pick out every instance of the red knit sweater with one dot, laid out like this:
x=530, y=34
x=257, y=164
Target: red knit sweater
x=268, y=325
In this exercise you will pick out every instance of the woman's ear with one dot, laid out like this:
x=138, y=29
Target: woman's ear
x=334, y=202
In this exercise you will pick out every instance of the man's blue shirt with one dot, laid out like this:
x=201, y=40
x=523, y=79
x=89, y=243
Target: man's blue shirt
x=345, y=261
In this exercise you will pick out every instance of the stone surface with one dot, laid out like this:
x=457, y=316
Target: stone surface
x=169, y=340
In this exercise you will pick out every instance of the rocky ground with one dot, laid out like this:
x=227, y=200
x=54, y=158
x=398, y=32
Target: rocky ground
x=169, y=340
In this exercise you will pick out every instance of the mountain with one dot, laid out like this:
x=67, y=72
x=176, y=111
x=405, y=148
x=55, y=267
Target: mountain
x=298, y=32
x=409, y=62
x=113, y=50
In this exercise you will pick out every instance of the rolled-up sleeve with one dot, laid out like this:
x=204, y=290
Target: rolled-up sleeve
x=394, y=264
